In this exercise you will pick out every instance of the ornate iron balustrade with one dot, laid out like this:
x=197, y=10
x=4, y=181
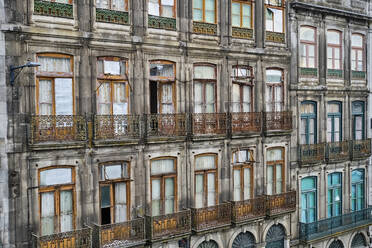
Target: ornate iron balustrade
x=334, y=225
x=211, y=217
x=275, y=37
x=248, y=209
x=161, y=22
x=54, y=9
x=243, y=33
x=246, y=122
x=74, y=239
x=308, y=72
x=169, y=225
x=361, y=148
x=46, y=128
x=338, y=151
x=116, y=127
x=112, y=16
x=166, y=125
x=278, y=121
x=204, y=28
x=281, y=203
x=125, y=234
x=361, y=75
x=333, y=73
x=313, y=153
x=211, y=123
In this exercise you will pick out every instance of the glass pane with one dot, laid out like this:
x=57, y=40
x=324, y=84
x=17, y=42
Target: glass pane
x=357, y=176
x=197, y=15
x=237, y=189
x=47, y=213
x=205, y=162
x=155, y=196
x=63, y=96
x=120, y=202
x=235, y=20
x=162, y=70
x=270, y=179
x=333, y=37
x=246, y=16
x=120, y=105
x=247, y=183
x=307, y=33
x=235, y=9
x=169, y=195
x=102, y=4
x=66, y=201
x=45, y=97
x=357, y=108
x=198, y=4
x=210, y=16
x=50, y=64
x=162, y=166
x=105, y=196
x=279, y=179
x=307, y=108
x=111, y=67
x=118, y=5
x=236, y=97
x=274, y=76
x=104, y=99
x=269, y=20
x=204, y=72
x=154, y=7
x=312, y=199
x=356, y=40
x=308, y=183
x=199, y=190
x=211, y=190
x=167, y=11
x=112, y=172
x=56, y=176
x=278, y=20
x=274, y=154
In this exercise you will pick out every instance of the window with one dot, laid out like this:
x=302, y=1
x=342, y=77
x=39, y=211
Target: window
x=204, y=11
x=308, y=126
x=334, y=53
x=56, y=200
x=274, y=15
x=308, y=199
x=274, y=90
x=308, y=47
x=357, y=52
x=163, y=186
x=112, y=87
x=54, y=85
x=242, y=89
x=357, y=190
x=162, y=87
x=243, y=174
x=205, y=88
x=241, y=12
x=358, y=120
x=334, y=124
x=121, y=5
x=114, y=192
x=206, y=193
x=165, y=8
x=275, y=170
x=334, y=201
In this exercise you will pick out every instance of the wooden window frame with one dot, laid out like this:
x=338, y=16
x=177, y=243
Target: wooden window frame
x=274, y=163
x=241, y=3
x=332, y=187
x=333, y=116
x=204, y=82
x=273, y=85
x=161, y=8
x=110, y=5
x=112, y=183
x=334, y=47
x=242, y=84
x=361, y=114
x=205, y=178
x=356, y=49
x=363, y=182
x=52, y=76
x=162, y=178
x=306, y=44
x=282, y=8
x=57, y=189
x=305, y=193
x=203, y=11
x=309, y=116
x=241, y=166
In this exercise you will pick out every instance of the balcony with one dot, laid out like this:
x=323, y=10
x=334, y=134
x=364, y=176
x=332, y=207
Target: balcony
x=338, y=151
x=74, y=239
x=247, y=210
x=211, y=123
x=313, y=153
x=57, y=128
x=278, y=121
x=125, y=234
x=361, y=148
x=166, y=125
x=116, y=127
x=211, y=217
x=281, y=203
x=335, y=225
x=168, y=226
x=246, y=122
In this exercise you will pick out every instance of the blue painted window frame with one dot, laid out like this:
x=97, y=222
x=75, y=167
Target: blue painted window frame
x=308, y=117
x=333, y=116
x=358, y=114
x=305, y=196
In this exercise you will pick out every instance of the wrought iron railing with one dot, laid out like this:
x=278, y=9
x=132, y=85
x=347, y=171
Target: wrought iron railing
x=248, y=209
x=326, y=227
x=361, y=148
x=312, y=153
x=55, y=9
x=116, y=127
x=46, y=128
x=210, y=123
x=166, y=124
x=281, y=203
x=124, y=234
x=169, y=225
x=338, y=151
x=278, y=120
x=211, y=217
x=74, y=239
x=246, y=122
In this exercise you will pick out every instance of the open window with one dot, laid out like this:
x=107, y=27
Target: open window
x=242, y=89
x=243, y=177
x=275, y=15
x=206, y=180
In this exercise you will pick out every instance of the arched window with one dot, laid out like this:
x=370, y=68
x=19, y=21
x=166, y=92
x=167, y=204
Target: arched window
x=336, y=244
x=334, y=196
x=243, y=174
x=275, y=171
x=357, y=52
x=241, y=14
x=308, y=199
x=334, y=122
x=242, y=89
x=334, y=53
x=208, y=244
x=275, y=237
x=56, y=199
x=308, y=47
x=357, y=190
x=308, y=125
x=121, y=5
x=274, y=90
x=204, y=11
x=358, y=120
x=246, y=240
x=165, y=8
x=206, y=193
x=359, y=241
x=205, y=80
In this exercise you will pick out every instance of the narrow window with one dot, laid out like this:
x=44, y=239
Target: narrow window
x=308, y=126
x=334, y=197
x=334, y=126
x=308, y=47
x=334, y=53
x=206, y=193
x=241, y=12
x=114, y=192
x=164, y=8
x=274, y=90
x=275, y=171
x=242, y=89
x=121, y=5
x=243, y=175
x=205, y=81
x=56, y=200
x=358, y=120
x=357, y=52
x=163, y=186
x=204, y=10
x=357, y=190
x=274, y=15
x=308, y=199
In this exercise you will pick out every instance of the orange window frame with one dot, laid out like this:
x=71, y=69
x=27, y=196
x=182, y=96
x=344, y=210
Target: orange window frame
x=161, y=8
x=273, y=164
x=306, y=45
x=203, y=11
x=204, y=82
x=205, y=179
x=356, y=49
x=241, y=3
x=283, y=15
x=334, y=47
x=241, y=167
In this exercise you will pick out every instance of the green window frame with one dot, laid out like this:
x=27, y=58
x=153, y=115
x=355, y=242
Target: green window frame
x=357, y=189
x=334, y=122
x=358, y=120
x=308, y=199
x=308, y=124
x=334, y=197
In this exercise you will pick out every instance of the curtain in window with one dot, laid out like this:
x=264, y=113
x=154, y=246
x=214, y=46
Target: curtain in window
x=204, y=72
x=63, y=96
x=104, y=99
x=270, y=179
x=47, y=213
x=247, y=183
x=197, y=10
x=209, y=97
x=205, y=162
x=211, y=197
x=111, y=67
x=162, y=166
x=236, y=98
x=120, y=202
x=167, y=99
x=162, y=70
x=120, y=105
x=358, y=127
x=198, y=100
x=167, y=8
x=66, y=210
x=118, y=5
x=246, y=99
x=169, y=195
x=154, y=7
x=210, y=11
x=237, y=185
x=199, y=190
x=155, y=197
x=279, y=180
x=55, y=176
x=45, y=97
x=278, y=98
x=104, y=4
x=50, y=64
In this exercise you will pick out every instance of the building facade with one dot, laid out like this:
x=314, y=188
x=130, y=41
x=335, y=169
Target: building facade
x=179, y=123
